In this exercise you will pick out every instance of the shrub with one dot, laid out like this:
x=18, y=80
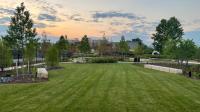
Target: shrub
x=103, y=60
x=52, y=57
x=5, y=56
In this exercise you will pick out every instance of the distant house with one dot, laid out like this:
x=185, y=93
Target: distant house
x=94, y=43
x=134, y=43
x=74, y=41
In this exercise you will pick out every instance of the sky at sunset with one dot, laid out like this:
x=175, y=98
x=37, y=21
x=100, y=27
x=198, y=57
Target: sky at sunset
x=131, y=18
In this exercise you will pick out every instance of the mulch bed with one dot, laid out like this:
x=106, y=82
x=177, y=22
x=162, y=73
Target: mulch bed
x=54, y=68
x=21, y=79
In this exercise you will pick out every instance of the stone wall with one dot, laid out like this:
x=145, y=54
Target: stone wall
x=164, y=69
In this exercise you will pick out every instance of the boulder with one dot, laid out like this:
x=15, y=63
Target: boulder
x=42, y=73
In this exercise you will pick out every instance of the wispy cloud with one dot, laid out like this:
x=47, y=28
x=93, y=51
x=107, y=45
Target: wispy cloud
x=6, y=11
x=48, y=17
x=76, y=17
x=4, y=20
x=113, y=14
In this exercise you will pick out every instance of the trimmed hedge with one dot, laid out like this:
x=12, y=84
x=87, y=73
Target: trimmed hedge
x=103, y=60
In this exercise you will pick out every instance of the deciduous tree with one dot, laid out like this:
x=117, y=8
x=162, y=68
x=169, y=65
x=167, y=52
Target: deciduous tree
x=123, y=46
x=166, y=30
x=6, y=59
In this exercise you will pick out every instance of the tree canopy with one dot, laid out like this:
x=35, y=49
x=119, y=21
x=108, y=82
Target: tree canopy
x=166, y=30
x=52, y=57
x=84, y=45
x=21, y=29
x=5, y=56
x=123, y=45
x=63, y=43
x=102, y=45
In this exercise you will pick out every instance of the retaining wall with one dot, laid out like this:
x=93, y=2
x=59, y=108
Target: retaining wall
x=164, y=69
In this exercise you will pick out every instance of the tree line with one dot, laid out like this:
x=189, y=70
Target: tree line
x=169, y=41
x=22, y=37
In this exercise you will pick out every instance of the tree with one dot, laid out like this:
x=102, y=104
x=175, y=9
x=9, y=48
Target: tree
x=170, y=49
x=30, y=52
x=139, y=50
x=197, y=54
x=123, y=46
x=84, y=45
x=62, y=45
x=6, y=59
x=45, y=45
x=52, y=57
x=102, y=45
x=187, y=50
x=21, y=30
x=167, y=29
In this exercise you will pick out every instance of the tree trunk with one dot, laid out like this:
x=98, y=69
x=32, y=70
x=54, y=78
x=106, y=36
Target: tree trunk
x=36, y=56
x=186, y=63
x=18, y=56
x=2, y=69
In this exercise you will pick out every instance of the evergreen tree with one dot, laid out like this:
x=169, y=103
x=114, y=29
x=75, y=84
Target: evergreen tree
x=63, y=45
x=84, y=45
x=21, y=31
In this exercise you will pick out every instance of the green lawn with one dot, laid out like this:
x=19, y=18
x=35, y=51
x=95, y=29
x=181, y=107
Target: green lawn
x=104, y=88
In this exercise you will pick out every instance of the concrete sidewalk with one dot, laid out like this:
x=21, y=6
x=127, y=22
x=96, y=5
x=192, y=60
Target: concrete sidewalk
x=22, y=66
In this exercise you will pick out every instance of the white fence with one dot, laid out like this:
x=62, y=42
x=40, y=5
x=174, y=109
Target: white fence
x=164, y=69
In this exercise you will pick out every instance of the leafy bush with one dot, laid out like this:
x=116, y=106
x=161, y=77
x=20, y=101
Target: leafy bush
x=103, y=60
x=5, y=56
x=153, y=56
x=52, y=57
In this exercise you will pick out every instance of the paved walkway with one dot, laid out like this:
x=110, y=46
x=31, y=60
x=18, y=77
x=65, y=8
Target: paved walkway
x=22, y=66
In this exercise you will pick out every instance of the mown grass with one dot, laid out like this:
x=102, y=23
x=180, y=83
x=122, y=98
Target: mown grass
x=104, y=88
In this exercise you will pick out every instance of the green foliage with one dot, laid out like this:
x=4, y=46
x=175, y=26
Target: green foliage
x=21, y=30
x=182, y=50
x=187, y=49
x=52, y=57
x=171, y=49
x=147, y=49
x=5, y=56
x=103, y=60
x=197, y=54
x=45, y=45
x=30, y=51
x=63, y=43
x=103, y=45
x=166, y=30
x=139, y=50
x=84, y=45
x=123, y=45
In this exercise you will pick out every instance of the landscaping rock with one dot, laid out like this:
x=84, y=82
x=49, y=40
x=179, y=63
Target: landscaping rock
x=42, y=73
